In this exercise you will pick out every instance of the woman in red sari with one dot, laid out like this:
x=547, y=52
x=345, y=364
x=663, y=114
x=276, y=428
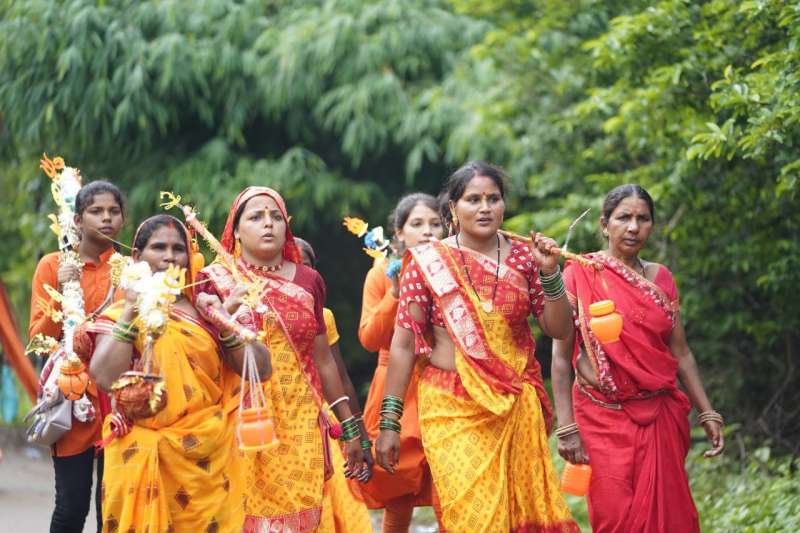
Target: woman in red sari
x=283, y=485
x=625, y=414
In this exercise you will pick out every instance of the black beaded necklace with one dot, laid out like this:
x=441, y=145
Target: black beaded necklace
x=487, y=306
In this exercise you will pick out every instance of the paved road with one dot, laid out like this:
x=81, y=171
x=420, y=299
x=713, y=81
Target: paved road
x=26, y=491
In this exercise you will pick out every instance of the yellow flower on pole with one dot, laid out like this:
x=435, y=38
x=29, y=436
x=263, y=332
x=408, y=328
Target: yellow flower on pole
x=173, y=200
x=375, y=254
x=356, y=226
x=46, y=164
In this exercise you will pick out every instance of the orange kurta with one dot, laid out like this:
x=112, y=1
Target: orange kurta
x=375, y=331
x=95, y=282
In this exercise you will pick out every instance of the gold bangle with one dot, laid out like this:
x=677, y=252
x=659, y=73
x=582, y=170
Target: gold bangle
x=709, y=416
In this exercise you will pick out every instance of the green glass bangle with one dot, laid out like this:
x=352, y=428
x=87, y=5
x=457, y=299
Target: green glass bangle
x=121, y=338
x=391, y=425
x=392, y=403
x=347, y=437
x=392, y=397
x=350, y=425
x=554, y=293
x=123, y=335
x=366, y=444
x=124, y=325
x=349, y=429
x=349, y=434
x=553, y=284
x=548, y=277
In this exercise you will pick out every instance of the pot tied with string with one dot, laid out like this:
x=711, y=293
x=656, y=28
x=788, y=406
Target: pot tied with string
x=141, y=392
x=255, y=430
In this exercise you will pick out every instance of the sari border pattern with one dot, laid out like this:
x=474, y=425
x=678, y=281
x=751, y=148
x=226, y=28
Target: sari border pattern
x=299, y=522
x=653, y=291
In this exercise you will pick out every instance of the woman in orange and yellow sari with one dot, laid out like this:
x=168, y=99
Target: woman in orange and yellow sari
x=284, y=485
x=483, y=412
x=171, y=471
x=415, y=221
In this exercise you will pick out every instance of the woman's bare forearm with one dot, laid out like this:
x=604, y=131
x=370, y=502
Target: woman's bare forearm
x=401, y=363
x=689, y=376
x=344, y=377
x=110, y=359
x=688, y=373
x=235, y=359
x=332, y=388
x=562, y=378
x=556, y=319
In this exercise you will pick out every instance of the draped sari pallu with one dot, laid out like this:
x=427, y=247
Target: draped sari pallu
x=284, y=485
x=172, y=472
x=484, y=427
x=634, y=425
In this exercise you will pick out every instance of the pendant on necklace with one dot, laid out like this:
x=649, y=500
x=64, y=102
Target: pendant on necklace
x=487, y=306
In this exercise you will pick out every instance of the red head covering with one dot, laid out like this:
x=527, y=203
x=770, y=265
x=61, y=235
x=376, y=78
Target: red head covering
x=290, y=250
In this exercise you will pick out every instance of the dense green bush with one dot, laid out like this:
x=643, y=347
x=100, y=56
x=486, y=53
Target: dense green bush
x=746, y=490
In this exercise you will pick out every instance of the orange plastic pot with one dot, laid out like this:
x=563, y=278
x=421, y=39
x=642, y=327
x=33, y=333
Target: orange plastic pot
x=576, y=478
x=73, y=378
x=256, y=430
x=606, y=323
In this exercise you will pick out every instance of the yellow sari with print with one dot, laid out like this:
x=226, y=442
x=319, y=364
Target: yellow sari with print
x=172, y=472
x=284, y=483
x=484, y=427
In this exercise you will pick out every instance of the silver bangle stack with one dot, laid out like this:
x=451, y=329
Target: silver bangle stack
x=565, y=431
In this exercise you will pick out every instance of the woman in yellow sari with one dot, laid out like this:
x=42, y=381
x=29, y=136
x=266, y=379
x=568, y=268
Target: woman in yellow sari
x=284, y=485
x=483, y=412
x=169, y=472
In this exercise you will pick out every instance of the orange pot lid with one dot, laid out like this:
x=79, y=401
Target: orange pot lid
x=602, y=307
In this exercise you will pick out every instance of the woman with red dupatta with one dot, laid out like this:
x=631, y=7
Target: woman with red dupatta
x=625, y=414
x=284, y=484
x=483, y=411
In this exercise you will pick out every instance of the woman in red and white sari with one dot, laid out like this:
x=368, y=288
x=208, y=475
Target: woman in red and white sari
x=625, y=414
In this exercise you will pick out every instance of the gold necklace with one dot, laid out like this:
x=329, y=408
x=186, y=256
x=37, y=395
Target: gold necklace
x=266, y=269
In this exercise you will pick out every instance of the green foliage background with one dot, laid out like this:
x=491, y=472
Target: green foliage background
x=344, y=105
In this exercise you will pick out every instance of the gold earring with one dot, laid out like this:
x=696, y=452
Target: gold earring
x=237, y=249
